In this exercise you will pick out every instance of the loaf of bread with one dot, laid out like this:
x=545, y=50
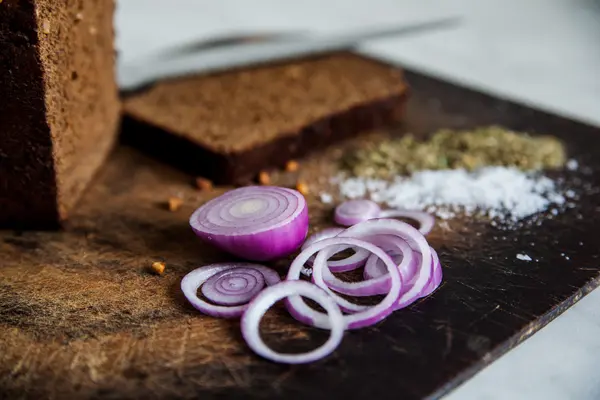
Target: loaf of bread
x=228, y=126
x=59, y=106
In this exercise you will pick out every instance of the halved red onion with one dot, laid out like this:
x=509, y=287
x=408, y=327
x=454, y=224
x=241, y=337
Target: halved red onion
x=364, y=315
x=426, y=221
x=260, y=304
x=350, y=263
x=380, y=284
x=368, y=230
x=354, y=211
x=244, y=275
x=257, y=223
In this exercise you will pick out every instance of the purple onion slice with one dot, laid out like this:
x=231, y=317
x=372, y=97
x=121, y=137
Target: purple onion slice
x=354, y=211
x=320, y=235
x=234, y=286
x=196, y=278
x=260, y=304
x=369, y=230
x=437, y=277
x=364, y=315
x=380, y=284
x=258, y=223
x=350, y=263
x=426, y=221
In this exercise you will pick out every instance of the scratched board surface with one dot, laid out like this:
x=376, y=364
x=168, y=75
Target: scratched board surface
x=81, y=317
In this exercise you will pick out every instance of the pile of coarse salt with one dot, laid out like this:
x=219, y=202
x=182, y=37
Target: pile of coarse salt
x=504, y=194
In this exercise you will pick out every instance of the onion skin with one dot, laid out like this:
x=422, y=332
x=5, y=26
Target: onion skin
x=270, y=236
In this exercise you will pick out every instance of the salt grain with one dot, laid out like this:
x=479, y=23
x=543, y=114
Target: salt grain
x=572, y=165
x=326, y=198
x=523, y=257
x=505, y=194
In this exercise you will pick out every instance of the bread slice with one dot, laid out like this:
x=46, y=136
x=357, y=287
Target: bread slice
x=59, y=105
x=229, y=126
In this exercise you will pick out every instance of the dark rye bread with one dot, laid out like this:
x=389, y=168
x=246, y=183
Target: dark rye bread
x=229, y=126
x=59, y=106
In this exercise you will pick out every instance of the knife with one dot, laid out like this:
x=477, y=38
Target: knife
x=143, y=72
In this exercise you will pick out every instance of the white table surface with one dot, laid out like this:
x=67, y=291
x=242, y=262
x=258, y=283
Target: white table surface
x=542, y=52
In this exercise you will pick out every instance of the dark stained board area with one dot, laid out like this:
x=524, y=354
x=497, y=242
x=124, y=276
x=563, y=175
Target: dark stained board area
x=80, y=316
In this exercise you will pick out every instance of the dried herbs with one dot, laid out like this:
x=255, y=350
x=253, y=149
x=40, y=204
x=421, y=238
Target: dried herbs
x=448, y=149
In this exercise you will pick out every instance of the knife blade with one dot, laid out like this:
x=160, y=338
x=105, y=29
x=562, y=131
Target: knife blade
x=143, y=72
x=228, y=40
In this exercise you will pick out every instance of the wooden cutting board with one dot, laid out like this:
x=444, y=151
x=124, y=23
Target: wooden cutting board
x=81, y=316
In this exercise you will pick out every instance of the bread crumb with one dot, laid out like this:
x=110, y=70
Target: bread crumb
x=175, y=203
x=62, y=211
x=158, y=267
x=264, y=178
x=78, y=16
x=302, y=188
x=46, y=27
x=204, y=184
x=294, y=72
x=291, y=166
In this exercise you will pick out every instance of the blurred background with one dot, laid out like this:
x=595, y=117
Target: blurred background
x=541, y=52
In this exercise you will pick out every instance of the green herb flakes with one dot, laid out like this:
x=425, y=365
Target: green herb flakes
x=448, y=149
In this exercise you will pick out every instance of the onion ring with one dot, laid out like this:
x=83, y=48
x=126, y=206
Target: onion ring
x=260, y=304
x=378, y=285
x=233, y=286
x=426, y=221
x=437, y=277
x=193, y=280
x=368, y=229
x=354, y=211
x=367, y=315
x=350, y=263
